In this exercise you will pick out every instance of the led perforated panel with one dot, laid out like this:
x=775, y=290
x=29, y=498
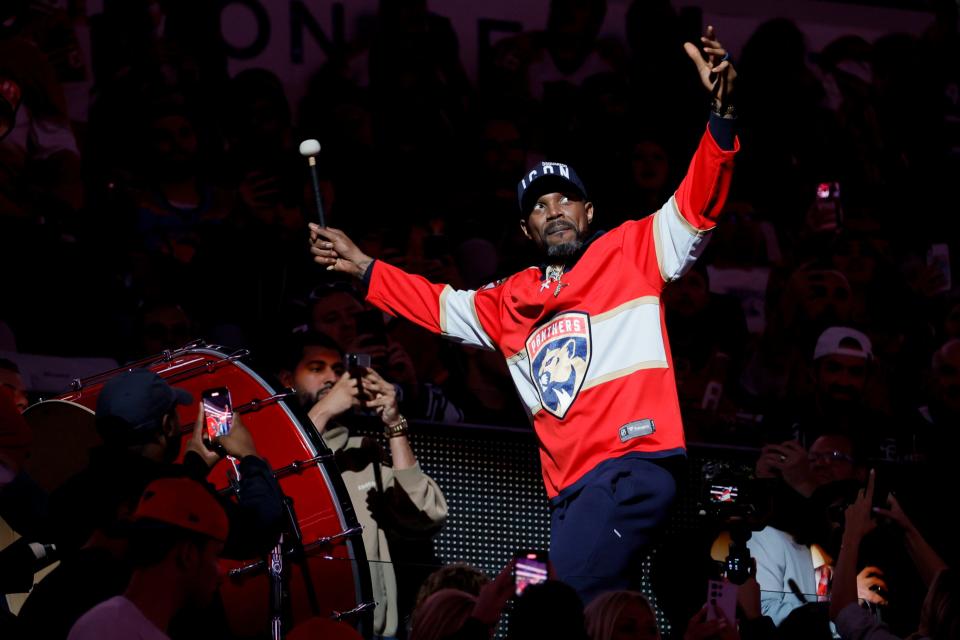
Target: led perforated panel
x=491, y=479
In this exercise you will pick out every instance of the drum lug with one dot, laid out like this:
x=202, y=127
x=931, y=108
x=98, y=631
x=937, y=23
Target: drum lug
x=357, y=610
x=326, y=540
x=260, y=565
x=256, y=404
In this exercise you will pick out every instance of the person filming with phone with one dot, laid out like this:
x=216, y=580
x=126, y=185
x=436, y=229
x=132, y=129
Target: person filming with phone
x=137, y=420
x=397, y=500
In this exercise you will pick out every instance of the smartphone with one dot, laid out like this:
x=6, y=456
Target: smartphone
x=530, y=568
x=939, y=256
x=830, y=215
x=218, y=412
x=722, y=595
x=357, y=364
x=881, y=490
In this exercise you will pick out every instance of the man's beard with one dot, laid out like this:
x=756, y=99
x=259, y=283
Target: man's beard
x=307, y=399
x=565, y=249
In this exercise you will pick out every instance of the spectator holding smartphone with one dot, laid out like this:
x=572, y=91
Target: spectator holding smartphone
x=398, y=500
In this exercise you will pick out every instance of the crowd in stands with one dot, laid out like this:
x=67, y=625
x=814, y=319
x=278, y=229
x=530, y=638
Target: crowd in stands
x=148, y=197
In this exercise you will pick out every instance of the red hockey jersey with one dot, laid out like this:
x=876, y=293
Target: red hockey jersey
x=592, y=364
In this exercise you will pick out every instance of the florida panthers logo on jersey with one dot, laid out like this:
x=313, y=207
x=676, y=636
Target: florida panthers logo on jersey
x=559, y=354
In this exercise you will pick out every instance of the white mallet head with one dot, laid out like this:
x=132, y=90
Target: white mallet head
x=309, y=148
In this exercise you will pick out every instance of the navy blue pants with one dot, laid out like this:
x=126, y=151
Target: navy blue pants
x=601, y=525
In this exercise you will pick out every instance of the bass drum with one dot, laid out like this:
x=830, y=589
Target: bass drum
x=338, y=580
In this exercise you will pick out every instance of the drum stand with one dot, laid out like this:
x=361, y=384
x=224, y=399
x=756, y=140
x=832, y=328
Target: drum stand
x=291, y=545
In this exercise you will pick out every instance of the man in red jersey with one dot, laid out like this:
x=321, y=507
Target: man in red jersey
x=585, y=341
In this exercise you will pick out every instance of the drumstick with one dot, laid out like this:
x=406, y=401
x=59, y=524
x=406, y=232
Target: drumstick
x=310, y=149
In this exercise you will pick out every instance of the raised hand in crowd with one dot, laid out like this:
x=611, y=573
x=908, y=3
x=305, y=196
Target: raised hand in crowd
x=700, y=628
x=858, y=522
x=789, y=461
x=494, y=596
x=928, y=562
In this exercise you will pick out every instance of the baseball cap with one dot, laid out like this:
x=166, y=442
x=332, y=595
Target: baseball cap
x=134, y=403
x=183, y=503
x=547, y=177
x=843, y=341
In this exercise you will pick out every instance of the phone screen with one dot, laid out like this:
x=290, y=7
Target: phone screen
x=530, y=568
x=723, y=493
x=830, y=216
x=218, y=412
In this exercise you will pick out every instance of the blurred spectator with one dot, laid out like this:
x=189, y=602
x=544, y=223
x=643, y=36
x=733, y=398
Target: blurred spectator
x=23, y=504
x=655, y=34
x=840, y=371
x=717, y=628
x=39, y=158
x=442, y=614
x=179, y=535
x=831, y=458
x=398, y=501
x=935, y=436
x=706, y=362
x=618, y=615
x=12, y=382
x=336, y=311
x=178, y=40
x=163, y=325
x=177, y=205
x=571, y=53
x=458, y=575
x=551, y=609
x=780, y=164
x=263, y=154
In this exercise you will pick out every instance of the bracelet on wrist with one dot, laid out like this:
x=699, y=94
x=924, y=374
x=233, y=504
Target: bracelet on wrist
x=396, y=430
x=723, y=110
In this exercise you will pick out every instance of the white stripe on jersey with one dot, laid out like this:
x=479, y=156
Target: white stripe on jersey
x=626, y=339
x=678, y=242
x=459, y=321
x=520, y=372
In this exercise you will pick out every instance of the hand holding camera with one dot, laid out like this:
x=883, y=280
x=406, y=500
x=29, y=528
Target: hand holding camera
x=218, y=431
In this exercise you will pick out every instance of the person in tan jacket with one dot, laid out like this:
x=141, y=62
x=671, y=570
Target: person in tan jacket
x=398, y=499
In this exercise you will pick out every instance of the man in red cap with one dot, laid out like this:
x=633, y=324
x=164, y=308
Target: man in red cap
x=178, y=535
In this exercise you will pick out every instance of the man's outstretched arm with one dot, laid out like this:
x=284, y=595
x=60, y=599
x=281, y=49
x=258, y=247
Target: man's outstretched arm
x=436, y=307
x=681, y=227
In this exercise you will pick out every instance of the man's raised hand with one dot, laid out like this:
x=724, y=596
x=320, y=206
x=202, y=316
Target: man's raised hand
x=334, y=250
x=713, y=65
